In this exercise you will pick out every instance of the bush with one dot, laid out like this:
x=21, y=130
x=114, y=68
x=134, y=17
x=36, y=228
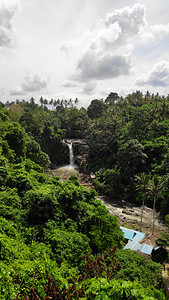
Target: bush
x=163, y=239
x=69, y=247
x=135, y=267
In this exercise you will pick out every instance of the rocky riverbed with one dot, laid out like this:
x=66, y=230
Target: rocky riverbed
x=128, y=215
x=125, y=211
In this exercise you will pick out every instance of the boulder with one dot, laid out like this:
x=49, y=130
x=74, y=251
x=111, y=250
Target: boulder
x=127, y=212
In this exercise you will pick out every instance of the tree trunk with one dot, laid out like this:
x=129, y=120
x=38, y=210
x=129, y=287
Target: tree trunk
x=153, y=213
x=142, y=214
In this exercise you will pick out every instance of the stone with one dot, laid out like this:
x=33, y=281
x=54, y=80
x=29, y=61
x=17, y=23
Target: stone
x=127, y=212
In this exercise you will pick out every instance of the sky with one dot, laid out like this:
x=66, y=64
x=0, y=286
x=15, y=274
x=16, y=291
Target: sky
x=83, y=49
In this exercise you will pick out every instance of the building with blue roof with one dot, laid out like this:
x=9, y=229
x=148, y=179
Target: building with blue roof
x=134, y=238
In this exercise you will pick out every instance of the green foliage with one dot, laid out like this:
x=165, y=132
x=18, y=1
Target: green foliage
x=111, y=98
x=8, y=228
x=10, y=204
x=135, y=267
x=44, y=126
x=8, y=152
x=15, y=138
x=156, y=150
x=41, y=206
x=74, y=179
x=155, y=186
x=101, y=289
x=8, y=289
x=163, y=239
x=104, y=266
x=104, y=231
x=15, y=112
x=31, y=165
x=167, y=219
x=67, y=246
x=132, y=137
x=131, y=157
x=74, y=122
x=35, y=154
x=47, y=227
x=96, y=108
x=96, y=281
x=4, y=115
x=109, y=182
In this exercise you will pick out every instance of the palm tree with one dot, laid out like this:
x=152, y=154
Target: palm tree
x=76, y=101
x=41, y=101
x=154, y=188
x=143, y=181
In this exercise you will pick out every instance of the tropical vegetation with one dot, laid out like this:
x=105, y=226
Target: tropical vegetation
x=57, y=241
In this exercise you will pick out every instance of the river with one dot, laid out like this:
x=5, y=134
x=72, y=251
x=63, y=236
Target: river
x=126, y=212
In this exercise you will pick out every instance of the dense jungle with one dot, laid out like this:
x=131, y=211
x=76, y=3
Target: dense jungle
x=57, y=240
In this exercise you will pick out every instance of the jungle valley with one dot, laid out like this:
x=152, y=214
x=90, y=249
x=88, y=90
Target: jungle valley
x=57, y=240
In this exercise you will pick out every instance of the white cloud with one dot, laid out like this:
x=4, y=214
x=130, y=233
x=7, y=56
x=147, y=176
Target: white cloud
x=102, y=66
x=106, y=51
x=121, y=23
x=100, y=38
x=154, y=33
x=106, y=48
x=89, y=88
x=152, y=41
x=34, y=84
x=158, y=75
x=8, y=9
x=69, y=84
x=130, y=19
x=17, y=92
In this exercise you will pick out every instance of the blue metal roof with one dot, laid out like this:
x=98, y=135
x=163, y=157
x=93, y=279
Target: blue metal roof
x=156, y=248
x=136, y=246
x=128, y=234
x=138, y=237
x=133, y=246
x=134, y=238
x=131, y=234
x=128, y=245
x=147, y=249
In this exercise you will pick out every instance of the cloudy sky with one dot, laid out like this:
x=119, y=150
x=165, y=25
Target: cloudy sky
x=83, y=48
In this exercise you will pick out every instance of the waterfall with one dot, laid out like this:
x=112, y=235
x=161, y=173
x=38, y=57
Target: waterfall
x=71, y=156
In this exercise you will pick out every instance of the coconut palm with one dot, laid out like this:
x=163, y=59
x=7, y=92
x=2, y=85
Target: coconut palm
x=143, y=181
x=154, y=188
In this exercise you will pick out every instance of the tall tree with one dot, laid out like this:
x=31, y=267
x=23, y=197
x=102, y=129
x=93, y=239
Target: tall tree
x=111, y=98
x=154, y=188
x=143, y=181
x=41, y=101
x=45, y=101
x=76, y=101
x=96, y=108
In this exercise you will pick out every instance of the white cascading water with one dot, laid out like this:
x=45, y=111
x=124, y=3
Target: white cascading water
x=65, y=171
x=71, y=156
